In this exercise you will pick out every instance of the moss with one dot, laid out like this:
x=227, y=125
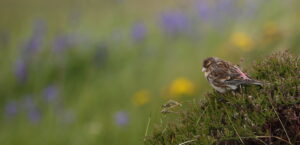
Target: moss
x=267, y=115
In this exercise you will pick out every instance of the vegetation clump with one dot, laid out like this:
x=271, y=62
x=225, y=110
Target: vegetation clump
x=253, y=115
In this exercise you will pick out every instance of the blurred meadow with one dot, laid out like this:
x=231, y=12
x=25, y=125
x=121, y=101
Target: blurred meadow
x=96, y=72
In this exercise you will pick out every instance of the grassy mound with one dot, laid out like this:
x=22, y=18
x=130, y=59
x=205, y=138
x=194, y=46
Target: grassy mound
x=268, y=115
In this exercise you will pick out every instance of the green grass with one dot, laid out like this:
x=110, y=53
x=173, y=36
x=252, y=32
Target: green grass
x=267, y=115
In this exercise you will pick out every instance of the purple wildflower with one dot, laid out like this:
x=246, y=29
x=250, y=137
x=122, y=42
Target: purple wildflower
x=225, y=11
x=204, y=10
x=34, y=115
x=174, y=22
x=33, y=112
x=226, y=6
x=20, y=71
x=61, y=43
x=250, y=8
x=35, y=41
x=138, y=32
x=121, y=118
x=11, y=109
x=51, y=93
x=217, y=14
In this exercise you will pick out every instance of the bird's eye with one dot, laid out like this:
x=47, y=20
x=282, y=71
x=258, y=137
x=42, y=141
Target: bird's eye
x=207, y=63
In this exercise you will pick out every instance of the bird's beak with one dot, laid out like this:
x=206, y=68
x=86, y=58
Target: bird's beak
x=203, y=69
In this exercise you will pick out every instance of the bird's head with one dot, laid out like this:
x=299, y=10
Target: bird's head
x=207, y=63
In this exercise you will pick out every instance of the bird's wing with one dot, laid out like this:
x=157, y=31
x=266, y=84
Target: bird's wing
x=219, y=75
x=226, y=70
x=225, y=76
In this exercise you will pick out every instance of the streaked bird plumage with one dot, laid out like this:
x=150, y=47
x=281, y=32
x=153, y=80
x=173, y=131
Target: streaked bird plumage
x=223, y=76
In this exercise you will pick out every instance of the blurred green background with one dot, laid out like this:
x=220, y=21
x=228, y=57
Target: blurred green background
x=96, y=71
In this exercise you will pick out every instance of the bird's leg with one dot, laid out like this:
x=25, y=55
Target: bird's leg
x=233, y=93
x=241, y=89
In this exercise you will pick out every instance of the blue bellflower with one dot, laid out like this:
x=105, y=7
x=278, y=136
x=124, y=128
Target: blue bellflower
x=11, y=109
x=121, y=118
x=139, y=32
x=174, y=23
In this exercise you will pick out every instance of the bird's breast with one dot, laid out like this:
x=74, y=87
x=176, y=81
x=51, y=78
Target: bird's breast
x=206, y=74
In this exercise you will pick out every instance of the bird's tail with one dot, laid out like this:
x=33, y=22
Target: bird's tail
x=245, y=82
x=252, y=82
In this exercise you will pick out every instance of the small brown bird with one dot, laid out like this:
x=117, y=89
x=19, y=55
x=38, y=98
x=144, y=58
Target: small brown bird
x=223, y=76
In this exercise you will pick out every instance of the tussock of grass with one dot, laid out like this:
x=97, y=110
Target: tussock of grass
x=268, y=115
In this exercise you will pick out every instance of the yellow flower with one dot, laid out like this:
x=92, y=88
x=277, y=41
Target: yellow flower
x=141, y=97
x=242, y=40
x=181, y=86
x=271, y=32
x=270, y=29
